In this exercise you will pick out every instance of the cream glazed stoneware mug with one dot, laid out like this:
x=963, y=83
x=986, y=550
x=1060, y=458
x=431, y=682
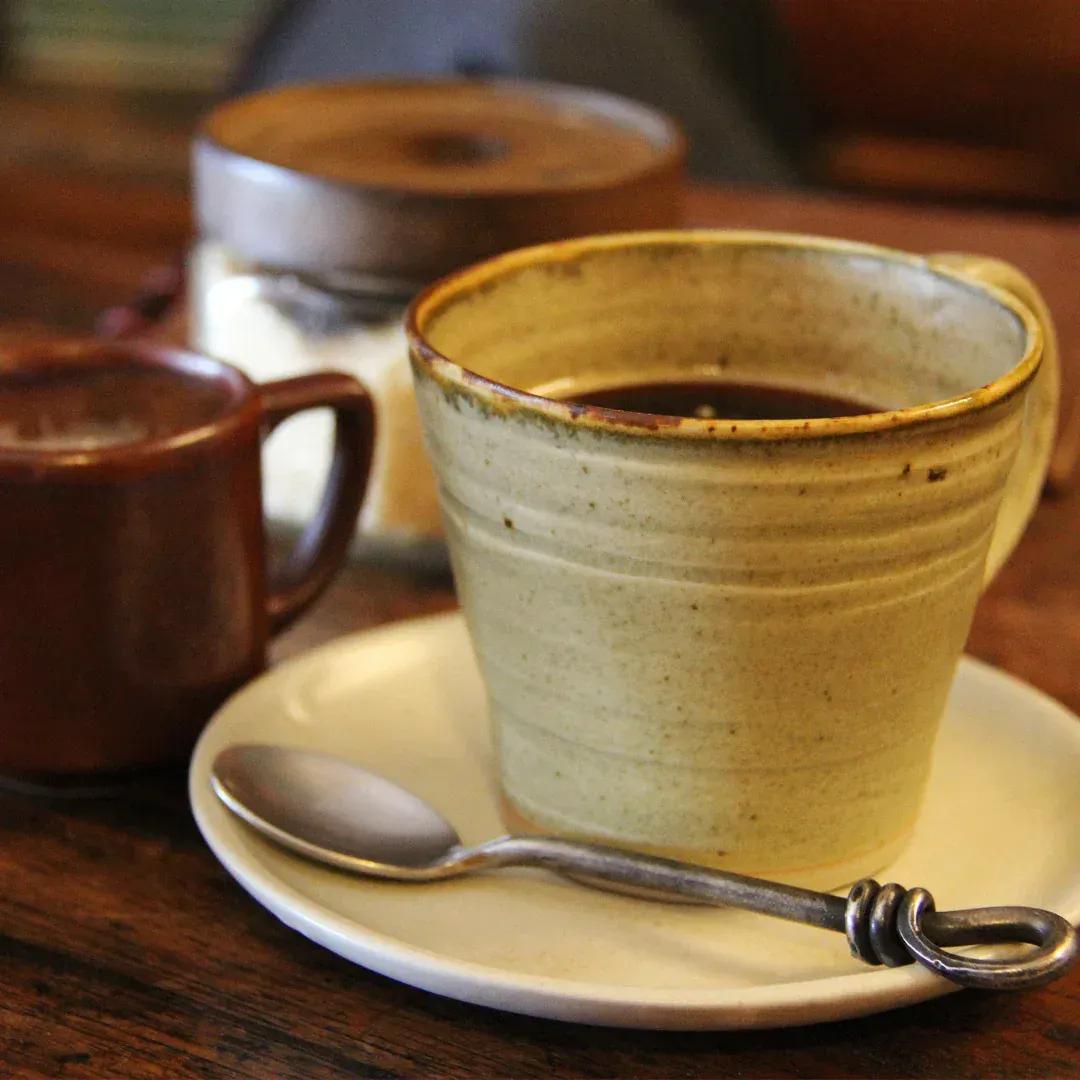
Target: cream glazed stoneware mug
x=729, y=641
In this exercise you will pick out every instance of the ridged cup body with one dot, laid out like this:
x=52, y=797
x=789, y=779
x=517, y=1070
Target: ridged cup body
x=729, y=641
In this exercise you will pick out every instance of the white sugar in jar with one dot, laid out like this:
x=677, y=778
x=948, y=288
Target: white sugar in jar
x=276, y=325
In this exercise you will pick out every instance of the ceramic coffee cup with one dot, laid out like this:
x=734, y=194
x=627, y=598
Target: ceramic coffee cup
x=134, y=592
x=729, y=640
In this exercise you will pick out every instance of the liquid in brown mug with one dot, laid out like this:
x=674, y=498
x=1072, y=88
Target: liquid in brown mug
x=708, y=400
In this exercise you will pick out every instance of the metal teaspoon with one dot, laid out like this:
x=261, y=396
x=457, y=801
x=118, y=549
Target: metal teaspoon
x=334, y=812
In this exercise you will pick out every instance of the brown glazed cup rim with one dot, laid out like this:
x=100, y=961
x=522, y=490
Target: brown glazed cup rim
x=504, y=398
x=238, y=413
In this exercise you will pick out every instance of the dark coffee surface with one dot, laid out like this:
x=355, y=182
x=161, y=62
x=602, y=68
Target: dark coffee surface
x=722, y=400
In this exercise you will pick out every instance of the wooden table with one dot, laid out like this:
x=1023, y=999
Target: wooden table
x=128, y=951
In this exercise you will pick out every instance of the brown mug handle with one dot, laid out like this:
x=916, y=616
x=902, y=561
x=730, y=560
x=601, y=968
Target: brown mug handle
x=321, y=548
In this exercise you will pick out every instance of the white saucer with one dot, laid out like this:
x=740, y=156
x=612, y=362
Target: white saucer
x=1001, y=825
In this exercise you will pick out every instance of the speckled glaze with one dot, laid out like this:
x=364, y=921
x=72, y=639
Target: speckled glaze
x=729, y=641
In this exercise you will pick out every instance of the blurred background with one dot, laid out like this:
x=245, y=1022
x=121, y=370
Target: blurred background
x=956, y=102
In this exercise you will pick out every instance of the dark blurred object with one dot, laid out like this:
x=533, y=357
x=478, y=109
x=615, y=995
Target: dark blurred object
x=720, y=69
x=966, y=100
x=157, y=294
x=5, y=36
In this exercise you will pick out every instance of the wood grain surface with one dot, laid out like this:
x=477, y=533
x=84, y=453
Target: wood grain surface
x=127, y=951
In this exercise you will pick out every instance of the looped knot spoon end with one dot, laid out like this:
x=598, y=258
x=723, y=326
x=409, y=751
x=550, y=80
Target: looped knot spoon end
x=337, y=813
x=892, y=925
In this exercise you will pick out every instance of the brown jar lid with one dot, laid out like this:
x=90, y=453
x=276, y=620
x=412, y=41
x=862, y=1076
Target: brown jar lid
x=408, y=180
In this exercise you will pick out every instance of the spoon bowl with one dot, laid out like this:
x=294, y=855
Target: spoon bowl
x=318, y=805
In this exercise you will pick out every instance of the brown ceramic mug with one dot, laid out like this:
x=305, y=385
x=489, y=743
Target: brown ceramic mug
x=134, y=592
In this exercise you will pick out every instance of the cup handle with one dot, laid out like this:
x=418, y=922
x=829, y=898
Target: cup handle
x=321, y=548
x=1025, y=483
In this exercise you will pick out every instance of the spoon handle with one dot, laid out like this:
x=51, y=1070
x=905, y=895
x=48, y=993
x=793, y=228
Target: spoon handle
x=884, y=924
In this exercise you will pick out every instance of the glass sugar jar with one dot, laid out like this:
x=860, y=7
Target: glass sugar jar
x=323, y=209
